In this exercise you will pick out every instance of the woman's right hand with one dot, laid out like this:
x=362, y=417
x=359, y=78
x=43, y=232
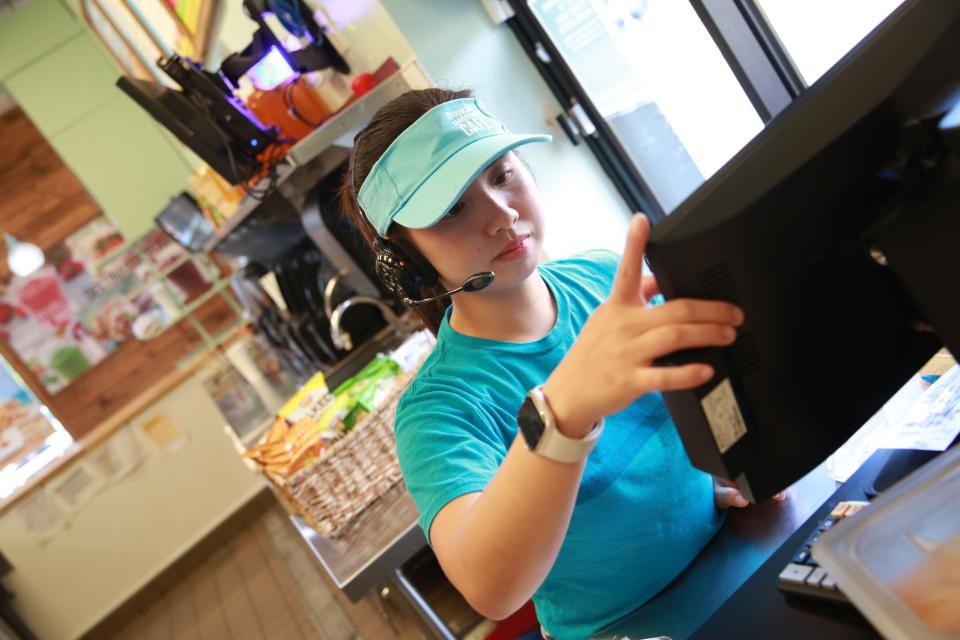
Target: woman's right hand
x=611, y=363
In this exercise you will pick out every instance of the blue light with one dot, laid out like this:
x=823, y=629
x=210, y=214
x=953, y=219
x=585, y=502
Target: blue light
x=271, y=71
x=253, y=142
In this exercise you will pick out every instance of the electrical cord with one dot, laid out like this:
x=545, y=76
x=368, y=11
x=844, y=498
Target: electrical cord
x=287, y=95
x=271, y=156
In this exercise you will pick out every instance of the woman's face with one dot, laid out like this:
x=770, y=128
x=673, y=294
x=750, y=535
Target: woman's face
x=497, y=225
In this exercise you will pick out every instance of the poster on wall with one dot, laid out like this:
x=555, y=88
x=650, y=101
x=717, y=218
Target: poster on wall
x=163, y=433
x=82, y=304
x=40, y=315
x=118, y=457
x=74, y=488
x=41, y=516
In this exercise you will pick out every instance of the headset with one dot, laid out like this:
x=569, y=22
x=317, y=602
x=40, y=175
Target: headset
x=402, y=272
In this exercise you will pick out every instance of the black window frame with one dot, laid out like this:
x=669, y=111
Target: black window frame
x=744, y=37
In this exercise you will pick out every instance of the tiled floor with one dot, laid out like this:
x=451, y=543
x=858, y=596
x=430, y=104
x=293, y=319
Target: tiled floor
x=242, y=590
x=254, y=578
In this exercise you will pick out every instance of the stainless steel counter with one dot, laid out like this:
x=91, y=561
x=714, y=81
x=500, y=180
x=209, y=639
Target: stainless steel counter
x=370, y=556
x=379, y=542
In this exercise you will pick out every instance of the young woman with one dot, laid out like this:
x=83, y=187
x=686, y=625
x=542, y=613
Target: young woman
x=592, y=507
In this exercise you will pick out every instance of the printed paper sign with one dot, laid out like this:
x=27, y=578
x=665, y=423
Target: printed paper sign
x=723, y=414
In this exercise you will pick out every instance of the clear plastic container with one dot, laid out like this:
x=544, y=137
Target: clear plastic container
x=898, y=560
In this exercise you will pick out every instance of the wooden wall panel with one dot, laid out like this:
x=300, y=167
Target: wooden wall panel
x=42, y=202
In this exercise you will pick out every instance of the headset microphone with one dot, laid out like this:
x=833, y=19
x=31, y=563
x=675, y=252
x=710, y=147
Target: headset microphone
x=476, y=282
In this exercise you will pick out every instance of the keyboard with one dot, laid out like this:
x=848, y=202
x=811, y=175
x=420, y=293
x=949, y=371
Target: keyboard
x=803, y=576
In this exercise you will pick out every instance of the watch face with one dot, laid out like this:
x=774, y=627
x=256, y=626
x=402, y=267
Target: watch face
x=530, y=423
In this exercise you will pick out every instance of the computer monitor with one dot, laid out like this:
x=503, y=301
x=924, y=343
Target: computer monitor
x=837, y=231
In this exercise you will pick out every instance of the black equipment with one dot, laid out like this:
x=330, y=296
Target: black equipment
x=405, y=276
x=837, y=231
x=206, y=117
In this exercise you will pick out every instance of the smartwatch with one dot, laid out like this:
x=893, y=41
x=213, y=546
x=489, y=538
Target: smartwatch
x=539, y=428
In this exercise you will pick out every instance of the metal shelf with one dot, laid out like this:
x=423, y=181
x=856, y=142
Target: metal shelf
x=308, y=150
x=245, y=209
x=351, y=118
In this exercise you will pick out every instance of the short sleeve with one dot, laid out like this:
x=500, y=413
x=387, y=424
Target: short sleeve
x=447, y=447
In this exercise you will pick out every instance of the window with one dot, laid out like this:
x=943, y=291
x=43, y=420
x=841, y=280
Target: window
x=629, y=57
x=817, y=33
x=665, y=92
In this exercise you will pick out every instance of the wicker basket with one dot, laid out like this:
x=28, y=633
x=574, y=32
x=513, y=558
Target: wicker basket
x=330, y=492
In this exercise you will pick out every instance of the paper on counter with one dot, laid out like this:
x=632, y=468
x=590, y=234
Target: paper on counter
x=933, y=421
x=919, y=416
x=861, y=445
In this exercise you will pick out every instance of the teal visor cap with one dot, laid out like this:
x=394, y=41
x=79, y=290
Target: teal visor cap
x=427, y=168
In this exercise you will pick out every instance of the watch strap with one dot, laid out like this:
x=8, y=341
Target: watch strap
x=555, y=445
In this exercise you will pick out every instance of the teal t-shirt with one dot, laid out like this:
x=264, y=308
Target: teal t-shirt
x=642, y=512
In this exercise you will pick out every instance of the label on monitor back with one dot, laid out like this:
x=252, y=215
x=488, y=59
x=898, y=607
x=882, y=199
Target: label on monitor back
x=723, y=415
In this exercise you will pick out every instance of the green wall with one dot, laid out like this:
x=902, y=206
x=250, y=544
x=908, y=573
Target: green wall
x=62, y=77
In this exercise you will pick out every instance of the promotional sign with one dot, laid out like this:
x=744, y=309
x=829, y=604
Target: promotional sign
x=83, y=303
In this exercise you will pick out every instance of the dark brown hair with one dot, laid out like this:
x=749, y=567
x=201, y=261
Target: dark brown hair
x=368, y=145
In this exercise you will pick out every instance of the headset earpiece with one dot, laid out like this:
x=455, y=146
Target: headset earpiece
x=402, y=274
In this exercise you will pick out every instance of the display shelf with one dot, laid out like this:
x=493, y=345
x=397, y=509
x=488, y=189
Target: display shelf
x=356, y=114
